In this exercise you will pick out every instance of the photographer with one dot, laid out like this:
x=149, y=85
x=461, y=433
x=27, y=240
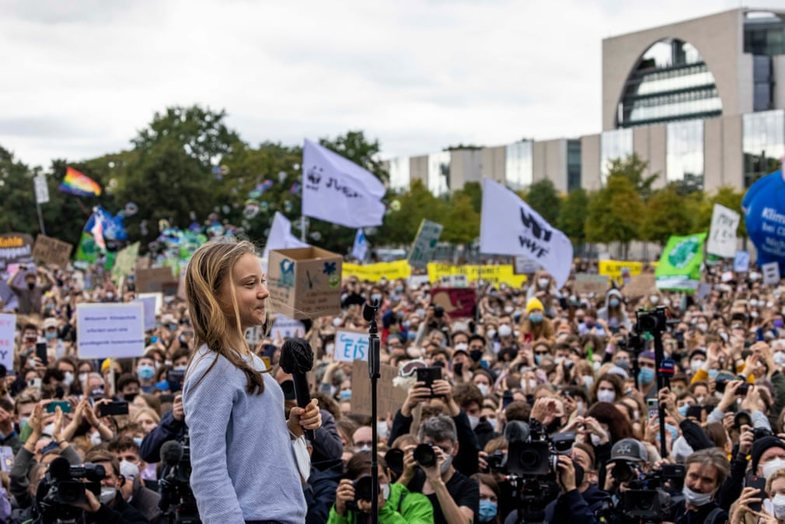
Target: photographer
x=706, y=469
x=111, y=508
x=396, y=504
x=455, y=497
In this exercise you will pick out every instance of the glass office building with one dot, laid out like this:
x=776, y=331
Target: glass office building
x=614, y=145
x=519, y=165
x=763, y=143
x=439, y=173
x=684, y=162
x=400, y=173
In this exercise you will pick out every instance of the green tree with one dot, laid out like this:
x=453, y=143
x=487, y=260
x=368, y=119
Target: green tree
x=408, y=210
x=632, y=168
x=725, y=196
x=572, y=215
x=543, y=198
x=462, y=222
x=614, y=212
x=667, y=213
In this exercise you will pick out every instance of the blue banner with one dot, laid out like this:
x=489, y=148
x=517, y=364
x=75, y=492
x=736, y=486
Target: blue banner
x=764, y=213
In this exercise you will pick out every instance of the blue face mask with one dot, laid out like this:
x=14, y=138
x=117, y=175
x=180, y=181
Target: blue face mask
x=614, y=302
x=713, y=373
x=138, y=441
x=487, y=511
x=535, y=318
x=538, y=359
x=683, y=410
x=345, y=394
x=646, y=375
x=145, y=372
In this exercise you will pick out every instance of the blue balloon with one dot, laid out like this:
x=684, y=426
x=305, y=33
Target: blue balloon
x=764, y=214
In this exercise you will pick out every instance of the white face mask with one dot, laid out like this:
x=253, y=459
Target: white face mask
x=505, y=330
x=484, y=389
x=606, y=395
x=82, y=377
x=473, y=421
x=107, y=494
x=695, y=498
x=654, y=299
x=68, y=378
x=446, y=465
x=491, y=333
x=337, y=321
x=588, y=381
x=381, y=429
x=95, y=439
x=772, y=466
x=778, y=506
x=779, y=358
x=595, y=440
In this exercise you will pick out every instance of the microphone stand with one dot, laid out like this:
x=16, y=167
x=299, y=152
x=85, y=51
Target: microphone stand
x=374, y=345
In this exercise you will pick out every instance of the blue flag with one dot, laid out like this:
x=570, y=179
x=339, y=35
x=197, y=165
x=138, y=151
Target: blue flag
x=360, y=248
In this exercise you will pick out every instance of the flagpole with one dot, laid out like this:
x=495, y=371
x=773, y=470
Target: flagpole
x=303, y=227
x=40, y=218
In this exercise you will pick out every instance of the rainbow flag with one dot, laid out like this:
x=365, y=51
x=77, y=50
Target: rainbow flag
x=79, y=184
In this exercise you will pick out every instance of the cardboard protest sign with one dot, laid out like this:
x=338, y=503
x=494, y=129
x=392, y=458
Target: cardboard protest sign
x=285, y=327
x=52, y=251
x=457, y=302
x=425, y=243
x=15, y=247
x=350, y=346
x=586, y=283
x=305, y=282
x=149, y=303
x=722, y=235
x=110, y=330
x=7, y=332
x=771, y=273
x=154, y=280
x=388, y=397
x=640, y=285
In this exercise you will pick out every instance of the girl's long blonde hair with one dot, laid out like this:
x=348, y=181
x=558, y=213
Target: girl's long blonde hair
x=209, y=267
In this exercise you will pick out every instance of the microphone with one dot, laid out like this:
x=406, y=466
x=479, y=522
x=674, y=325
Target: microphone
x=369, y=310
x=517, y=431
x=297, y=360
x=60, y=469
x=171, y=453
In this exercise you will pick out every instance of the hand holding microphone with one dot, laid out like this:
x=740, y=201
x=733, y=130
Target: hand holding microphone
x=308, y=418
x=297, y=360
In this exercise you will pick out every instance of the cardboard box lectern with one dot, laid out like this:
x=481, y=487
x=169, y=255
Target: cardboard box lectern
x=304, y=282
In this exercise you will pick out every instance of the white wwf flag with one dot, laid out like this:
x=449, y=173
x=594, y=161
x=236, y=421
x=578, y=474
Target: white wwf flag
x=510, y=227
x=281, y=236
x=360, y=247
x=339, y=191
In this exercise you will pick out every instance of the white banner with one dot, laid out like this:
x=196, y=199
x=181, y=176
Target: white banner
x=7, y=332
x=351, y=346
x=110, y=330
x=510, y=227
x=722, y=236
x=339, y=191
x=281, y=236
x=771, y=273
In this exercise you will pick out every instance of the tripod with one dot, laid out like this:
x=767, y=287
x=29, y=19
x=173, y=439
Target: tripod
x=374, y=346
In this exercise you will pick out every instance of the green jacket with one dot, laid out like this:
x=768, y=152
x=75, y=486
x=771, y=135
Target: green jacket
x=402, y=507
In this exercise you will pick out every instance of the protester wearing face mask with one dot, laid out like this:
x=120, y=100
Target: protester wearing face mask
x=28, y=291
x=455, y=497
x=609, y=388
x=145, y=372
x=110, y=506
x=706, y=470
x=613, y=314
x=536, y=327
x=396, y=503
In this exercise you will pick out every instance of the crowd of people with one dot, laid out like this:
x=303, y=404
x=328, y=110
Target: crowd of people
x=543, y=406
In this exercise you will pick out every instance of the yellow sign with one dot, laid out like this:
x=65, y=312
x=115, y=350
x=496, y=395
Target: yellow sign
x=614, y=268
x=493, y=274
x=378, y=271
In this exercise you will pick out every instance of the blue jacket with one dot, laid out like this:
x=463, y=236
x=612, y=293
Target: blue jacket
x=168, y=429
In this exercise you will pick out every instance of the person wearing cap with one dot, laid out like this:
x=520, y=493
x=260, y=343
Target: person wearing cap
x=461, y=363
x=535, y=326
x=629, y=459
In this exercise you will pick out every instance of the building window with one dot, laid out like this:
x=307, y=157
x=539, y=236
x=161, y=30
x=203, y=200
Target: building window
x=615, y=145
x=573, y=164
x=764, y=33
x=671, y=82
x=400, y=173
x=763, y=143
x=439, y=173
x=685, y=154
x=518, y=164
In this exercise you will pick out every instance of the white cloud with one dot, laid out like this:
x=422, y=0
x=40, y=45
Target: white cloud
x=80, y=78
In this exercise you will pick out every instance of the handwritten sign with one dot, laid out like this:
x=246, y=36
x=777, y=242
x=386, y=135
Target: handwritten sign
x=110, y=330
x=7, y=332
x=389, y=397
x=52, y=251
x=351, y=346
x=586, y=283
x=722, y=235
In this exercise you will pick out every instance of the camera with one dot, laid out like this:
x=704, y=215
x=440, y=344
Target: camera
x=425, y=455
x=63, y=487
x=647, y=498
x=652, y=321
x=438, y=311
x=177, y=503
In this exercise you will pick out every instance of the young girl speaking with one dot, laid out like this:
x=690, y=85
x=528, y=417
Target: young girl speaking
x=243, y=465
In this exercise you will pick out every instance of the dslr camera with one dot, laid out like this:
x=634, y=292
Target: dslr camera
x=63, y=487
x=648, y=498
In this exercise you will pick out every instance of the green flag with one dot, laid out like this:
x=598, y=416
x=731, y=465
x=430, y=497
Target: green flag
x=679, y=268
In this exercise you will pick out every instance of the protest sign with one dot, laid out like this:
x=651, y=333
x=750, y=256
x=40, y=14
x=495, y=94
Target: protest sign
x=425, y=243
x=586, y=283
x=376, y=272
x=679, y=268
x=508, y=226
x=525, y=266
x=52, y=251
x=149, y=302
x=110, y=330
x=457, y=302
x=640, y=285
x=350, y=346
x=285, y=327
x=722, y=235
x=618, y=269
x=7, y=333
x=389, y=398
x=153, y=280
x=415, y=281
x=495, y=275
x=741, y=262
x=764, y=216
x=41, y=189
x=159, y=300
x=15, y=247
x=125, y=262
x=305, y=282
x=771, y=273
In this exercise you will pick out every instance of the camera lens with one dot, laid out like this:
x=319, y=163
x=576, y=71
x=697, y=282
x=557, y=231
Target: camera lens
x=424, y=455
x=362, y=488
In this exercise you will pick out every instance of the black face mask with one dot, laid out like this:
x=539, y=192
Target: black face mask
x=475, y=354
x=129, y=397
x=31, y=286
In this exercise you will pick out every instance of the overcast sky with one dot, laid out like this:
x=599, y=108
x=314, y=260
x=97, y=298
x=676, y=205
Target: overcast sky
x=80, y=77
